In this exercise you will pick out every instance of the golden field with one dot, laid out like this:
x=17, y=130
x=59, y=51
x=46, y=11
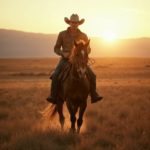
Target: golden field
x=120, y=122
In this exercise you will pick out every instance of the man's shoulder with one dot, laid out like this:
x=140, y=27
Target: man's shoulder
x=83, y=34
x=63, y=32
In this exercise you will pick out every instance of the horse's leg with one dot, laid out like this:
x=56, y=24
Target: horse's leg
x=72, y=110
x=61, y=116
x=81, y=112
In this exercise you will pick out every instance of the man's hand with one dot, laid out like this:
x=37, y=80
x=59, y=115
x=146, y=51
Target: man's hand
x=65, y=54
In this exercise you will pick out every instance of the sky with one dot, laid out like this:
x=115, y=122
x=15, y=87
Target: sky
x=103, y=18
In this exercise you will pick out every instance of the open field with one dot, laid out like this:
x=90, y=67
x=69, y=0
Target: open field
x=120, y=122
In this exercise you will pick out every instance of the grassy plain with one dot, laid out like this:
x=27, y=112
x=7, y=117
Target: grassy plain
x=120, y=122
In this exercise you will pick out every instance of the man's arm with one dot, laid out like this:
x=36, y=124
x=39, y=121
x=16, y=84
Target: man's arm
x=57, y=47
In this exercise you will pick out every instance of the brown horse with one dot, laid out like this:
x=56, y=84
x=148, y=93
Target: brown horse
x=75, y=88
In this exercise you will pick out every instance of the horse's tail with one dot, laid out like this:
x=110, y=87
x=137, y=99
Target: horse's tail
x=53, y=111
x=49, y=112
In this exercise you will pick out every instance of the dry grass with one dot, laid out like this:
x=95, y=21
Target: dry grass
x=120, y=122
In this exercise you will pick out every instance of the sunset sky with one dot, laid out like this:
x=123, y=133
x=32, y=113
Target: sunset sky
x=103, y=18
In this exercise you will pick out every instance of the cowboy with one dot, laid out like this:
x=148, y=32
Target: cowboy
x=63, y=47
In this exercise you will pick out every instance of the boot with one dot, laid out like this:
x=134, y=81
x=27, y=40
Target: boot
x=94, y=95
x=50, y=99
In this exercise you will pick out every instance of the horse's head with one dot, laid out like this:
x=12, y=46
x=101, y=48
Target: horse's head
x=79, y=56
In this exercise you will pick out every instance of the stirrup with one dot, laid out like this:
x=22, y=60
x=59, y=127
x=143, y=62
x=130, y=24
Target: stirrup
x=96, y=99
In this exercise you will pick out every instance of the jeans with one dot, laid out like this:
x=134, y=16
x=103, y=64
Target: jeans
x=58, y=69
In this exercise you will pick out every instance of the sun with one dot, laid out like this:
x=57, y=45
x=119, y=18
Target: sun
x=109, y=36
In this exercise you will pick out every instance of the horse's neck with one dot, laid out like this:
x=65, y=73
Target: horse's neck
x=77, y=74
x=74, y=73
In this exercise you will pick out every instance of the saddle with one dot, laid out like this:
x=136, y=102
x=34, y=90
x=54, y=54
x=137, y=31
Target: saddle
x=64, y=73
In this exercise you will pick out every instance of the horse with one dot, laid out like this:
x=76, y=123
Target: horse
x=75, y=88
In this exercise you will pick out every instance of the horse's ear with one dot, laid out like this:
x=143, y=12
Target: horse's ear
x=75, y=43
x=88, y=42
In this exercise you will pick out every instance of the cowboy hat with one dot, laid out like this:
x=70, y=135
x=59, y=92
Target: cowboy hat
x=74, y=18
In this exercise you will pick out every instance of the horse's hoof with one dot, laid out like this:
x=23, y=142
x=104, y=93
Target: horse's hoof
x=72, y=130
x=62, y=128
x=78, y=131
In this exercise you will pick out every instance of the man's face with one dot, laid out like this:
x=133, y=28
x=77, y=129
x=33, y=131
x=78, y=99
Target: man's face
x=74, y=25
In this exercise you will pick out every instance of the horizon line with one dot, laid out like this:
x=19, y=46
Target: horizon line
x=93, y=57
x=141, y=37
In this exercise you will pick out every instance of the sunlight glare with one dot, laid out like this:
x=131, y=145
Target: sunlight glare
x=109, y=36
